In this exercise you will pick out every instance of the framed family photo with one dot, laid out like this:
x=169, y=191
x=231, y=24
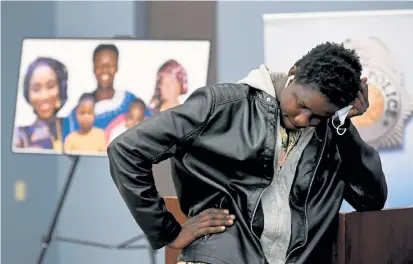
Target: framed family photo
x=76, y=95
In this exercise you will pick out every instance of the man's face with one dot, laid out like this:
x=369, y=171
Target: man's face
x=105, y=68
x=302, y=106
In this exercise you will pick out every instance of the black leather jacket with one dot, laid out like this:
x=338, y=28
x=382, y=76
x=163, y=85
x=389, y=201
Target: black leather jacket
x=221, y=143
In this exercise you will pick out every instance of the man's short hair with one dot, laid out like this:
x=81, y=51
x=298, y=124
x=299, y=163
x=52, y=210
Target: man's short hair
x=333, y=70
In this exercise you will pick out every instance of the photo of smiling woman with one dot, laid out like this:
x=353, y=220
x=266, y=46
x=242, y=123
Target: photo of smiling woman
x=45, y=89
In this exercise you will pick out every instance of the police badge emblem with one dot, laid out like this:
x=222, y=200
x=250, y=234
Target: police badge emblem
x=382, y=125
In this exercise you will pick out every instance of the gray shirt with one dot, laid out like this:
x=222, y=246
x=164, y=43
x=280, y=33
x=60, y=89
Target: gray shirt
x=276, y=235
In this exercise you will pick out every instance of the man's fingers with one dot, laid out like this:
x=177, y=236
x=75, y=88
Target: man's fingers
x=207, y=222
x=209, y=230
x=216, y=216
x=359, y=107
x=364, y=90
x=360, y=97
x=209, y=214
x=365, y=93
x=215, y=222
x=212, y=211
x=353, y=112
x=205, y=213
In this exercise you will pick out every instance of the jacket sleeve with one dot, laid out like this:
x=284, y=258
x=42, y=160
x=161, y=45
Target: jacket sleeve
x=132, y=154
x=366, y=187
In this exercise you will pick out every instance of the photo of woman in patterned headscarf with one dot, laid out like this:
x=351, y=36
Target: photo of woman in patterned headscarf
x=45, y=89
x=171, y=83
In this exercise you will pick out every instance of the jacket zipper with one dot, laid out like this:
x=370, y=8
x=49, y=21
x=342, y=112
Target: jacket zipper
x=222, y=200
x=277, y=150
x=253, y=214
x=306, y=199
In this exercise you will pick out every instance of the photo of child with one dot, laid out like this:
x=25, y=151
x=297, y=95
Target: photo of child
x=86, y=138
x=135, y=115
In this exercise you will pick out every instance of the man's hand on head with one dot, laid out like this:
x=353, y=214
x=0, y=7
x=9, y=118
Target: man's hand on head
x=361, y=103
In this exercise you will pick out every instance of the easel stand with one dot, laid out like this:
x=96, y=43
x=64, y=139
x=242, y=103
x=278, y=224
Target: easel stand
x=48, y=239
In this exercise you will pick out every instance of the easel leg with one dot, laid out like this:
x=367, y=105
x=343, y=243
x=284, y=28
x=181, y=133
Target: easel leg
x=48, y=238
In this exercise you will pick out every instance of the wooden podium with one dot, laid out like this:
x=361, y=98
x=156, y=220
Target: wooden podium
x=380, y=237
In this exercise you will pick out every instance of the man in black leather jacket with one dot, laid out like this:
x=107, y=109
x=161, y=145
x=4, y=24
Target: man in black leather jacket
x=260, y=167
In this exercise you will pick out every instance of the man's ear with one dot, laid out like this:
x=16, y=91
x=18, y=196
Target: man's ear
x=292, y=71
